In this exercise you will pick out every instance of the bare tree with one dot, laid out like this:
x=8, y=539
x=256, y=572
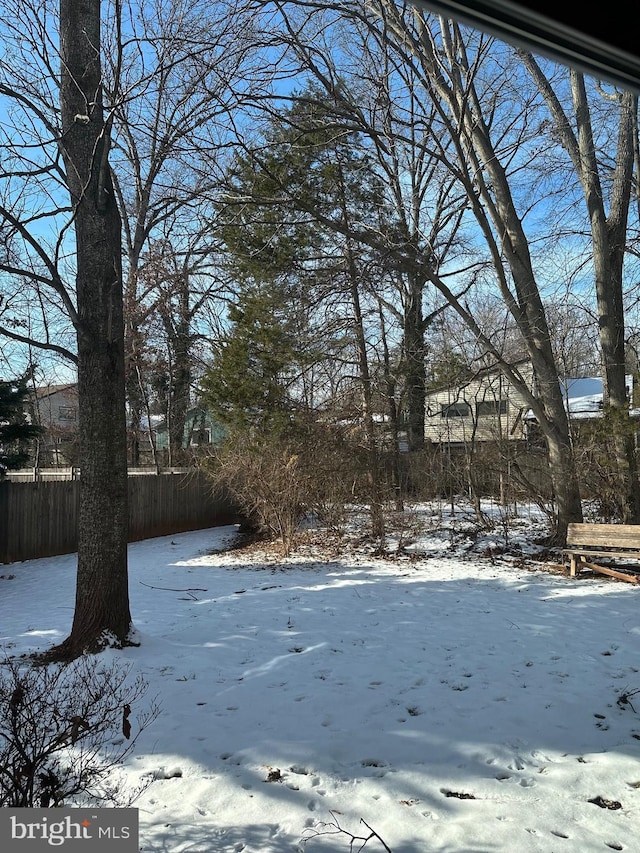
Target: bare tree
x=57, y=143
x=179, y=282
x=451, y=63
x=184, y=76
x=360, y=86
x=460, y=96
x=606, y=183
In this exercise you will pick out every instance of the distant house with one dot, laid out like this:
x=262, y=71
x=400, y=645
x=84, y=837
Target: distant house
x=55, y=409
x=487, y=407
x=484, y=407
x=199, y=430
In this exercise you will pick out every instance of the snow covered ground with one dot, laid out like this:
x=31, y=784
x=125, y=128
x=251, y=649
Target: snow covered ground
x=452, y=697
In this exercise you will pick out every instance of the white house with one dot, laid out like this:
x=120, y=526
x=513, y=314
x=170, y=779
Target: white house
x=487, y=407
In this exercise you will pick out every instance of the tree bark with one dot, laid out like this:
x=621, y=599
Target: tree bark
x=488, y=190
x=609, y=243
x=102, y=616
x=371, y=446
x=180, y=341
x=414, y=354
x=608, y=236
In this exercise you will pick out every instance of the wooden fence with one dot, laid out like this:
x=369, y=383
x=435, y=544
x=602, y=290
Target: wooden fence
x=39, y=519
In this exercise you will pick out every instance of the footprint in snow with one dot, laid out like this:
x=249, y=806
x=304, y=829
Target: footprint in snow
x=301, y=771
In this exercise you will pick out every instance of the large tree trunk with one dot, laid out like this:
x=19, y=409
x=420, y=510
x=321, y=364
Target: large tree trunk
x=609, y=243
x=102, y=616
x=555, y=428
x=608, y=233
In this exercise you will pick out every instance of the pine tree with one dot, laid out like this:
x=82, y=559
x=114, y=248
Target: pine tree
x=15, y=430
x=299, y=206
x=248, y=386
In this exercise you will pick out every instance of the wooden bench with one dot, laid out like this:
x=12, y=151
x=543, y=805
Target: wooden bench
x=605, y=541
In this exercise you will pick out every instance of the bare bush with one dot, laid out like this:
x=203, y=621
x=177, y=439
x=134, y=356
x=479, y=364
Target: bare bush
x=596, y=462
x=278, y=480
x=65, y=729
x=266, y=480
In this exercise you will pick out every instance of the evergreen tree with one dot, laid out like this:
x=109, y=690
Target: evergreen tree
x=299, y=207
x=249, y=384
x=296, y=205
x=15, y=430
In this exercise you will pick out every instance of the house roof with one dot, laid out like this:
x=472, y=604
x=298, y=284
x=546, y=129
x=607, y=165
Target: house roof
x=584, y=396
x=478, y=373
x=49, y=390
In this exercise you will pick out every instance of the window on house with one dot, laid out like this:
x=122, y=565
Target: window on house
x=491, y=407
x=67, y=413
x=456, y=410
x=200, y=437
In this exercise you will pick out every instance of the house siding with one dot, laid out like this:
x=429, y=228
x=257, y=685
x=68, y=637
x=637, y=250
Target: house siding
x=485, y=408
x=55, y=409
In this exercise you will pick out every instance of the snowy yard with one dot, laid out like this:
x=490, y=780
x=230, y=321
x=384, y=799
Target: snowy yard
x=455, y=698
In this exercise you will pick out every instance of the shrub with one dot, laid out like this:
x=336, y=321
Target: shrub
x=64, y=731
x=279, y=478
x=265, y=478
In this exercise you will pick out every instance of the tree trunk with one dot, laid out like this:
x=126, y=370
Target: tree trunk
x=608, y=234
x=373, y=460
x=486, y=183
x=563, y=482
x=371, y=448
x=415, y=365
x=609, y=239
x=133, y=366
x=392, y=411
x=102, y=616
x=179, y=338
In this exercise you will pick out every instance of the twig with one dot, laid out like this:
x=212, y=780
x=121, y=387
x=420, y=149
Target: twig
x=172, y=589
x=333, y=828
x=374, y=834
x=625, y=699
